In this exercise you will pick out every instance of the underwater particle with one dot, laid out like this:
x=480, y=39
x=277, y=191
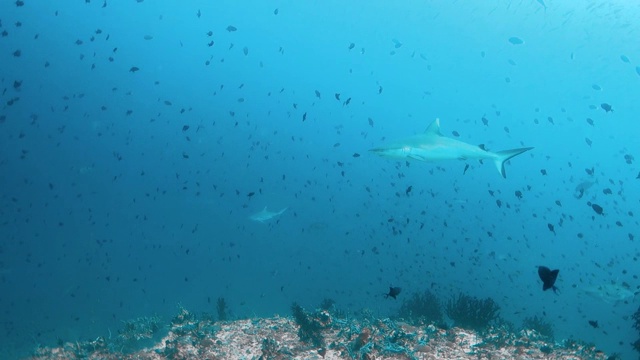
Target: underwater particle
x=638, y=70
x=393, y=292
x=596, y=87
x=606, y=107
x=276, y=11
x=134, y=69
x=516, y=40
x=371, y=122
x=624, y=58
x=548, y=278
x=245, y=50
x=397, y=43
x=628, y=158
x=148, y=37
x=17, y=53
x=231, y=28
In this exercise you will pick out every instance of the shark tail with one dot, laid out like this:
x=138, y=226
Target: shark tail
x=504, y=156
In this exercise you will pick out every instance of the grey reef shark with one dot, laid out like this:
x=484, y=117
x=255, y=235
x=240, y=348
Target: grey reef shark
x=266, y=215
x=431, y=145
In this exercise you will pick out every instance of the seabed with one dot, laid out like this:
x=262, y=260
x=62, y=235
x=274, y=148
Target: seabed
x=321, y=336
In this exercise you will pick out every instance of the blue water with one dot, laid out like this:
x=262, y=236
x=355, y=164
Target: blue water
x=111, y=208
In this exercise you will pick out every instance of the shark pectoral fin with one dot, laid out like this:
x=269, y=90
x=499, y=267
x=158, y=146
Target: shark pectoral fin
x=417, y=157
x=504, y=156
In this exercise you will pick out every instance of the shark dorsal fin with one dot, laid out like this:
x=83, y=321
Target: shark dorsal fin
x=433, y=128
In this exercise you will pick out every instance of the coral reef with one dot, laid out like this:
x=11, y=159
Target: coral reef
x=543, y=327
x=369, y=338
x=636, y=325
x=422, y=309
x=472, y=313
x=311, y=325
x=222, y=310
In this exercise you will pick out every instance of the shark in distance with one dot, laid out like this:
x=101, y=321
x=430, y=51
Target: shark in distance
x=613, y=293
x=431, y=145
x=266, y=215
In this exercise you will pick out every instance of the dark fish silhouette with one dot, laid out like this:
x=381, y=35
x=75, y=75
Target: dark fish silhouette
x=606, y=107
x=548, y=278
x=393, y=292
x=593, y=323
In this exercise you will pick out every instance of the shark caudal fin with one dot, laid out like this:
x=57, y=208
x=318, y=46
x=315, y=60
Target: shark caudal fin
x=504, y=156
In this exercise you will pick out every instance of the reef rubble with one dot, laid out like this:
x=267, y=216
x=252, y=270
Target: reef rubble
x=342, y=338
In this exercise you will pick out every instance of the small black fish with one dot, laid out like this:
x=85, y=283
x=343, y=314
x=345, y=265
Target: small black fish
x=597, y=208
x=593, y=323
x=606, y=107
x=548, y=278
x=466, y=167
x=393, y=292
x=134, y=69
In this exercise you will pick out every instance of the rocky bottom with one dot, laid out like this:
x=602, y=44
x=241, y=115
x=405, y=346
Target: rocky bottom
x=321, y=337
